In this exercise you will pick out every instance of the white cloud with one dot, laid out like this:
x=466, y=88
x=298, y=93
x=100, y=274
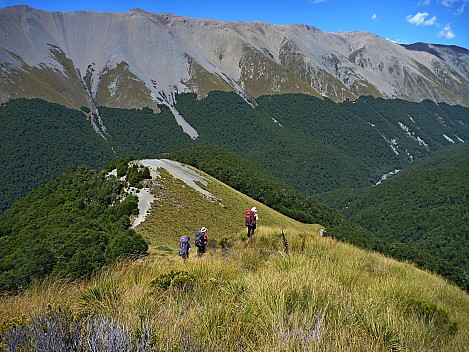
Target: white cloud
x=448, y=3
x=459, y=3
x=420, y=18
x=318, y=1
x=446, y=32
x=374, y=17
x=430, y=22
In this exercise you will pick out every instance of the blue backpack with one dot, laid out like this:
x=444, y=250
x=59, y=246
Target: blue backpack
x=184, y=246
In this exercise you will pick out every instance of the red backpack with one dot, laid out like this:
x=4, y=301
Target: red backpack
x=250, y=218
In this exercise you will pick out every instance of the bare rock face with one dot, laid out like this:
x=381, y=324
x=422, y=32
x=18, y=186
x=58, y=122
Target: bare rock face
x=137, y=59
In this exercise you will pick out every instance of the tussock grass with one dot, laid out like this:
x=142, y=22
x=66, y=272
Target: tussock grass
x=245, y=295
x=328, y=296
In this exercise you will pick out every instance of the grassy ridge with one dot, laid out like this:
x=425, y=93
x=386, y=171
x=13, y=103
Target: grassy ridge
x=181, y=210
x=377, y=209
x=295, y=291
x=323, y=295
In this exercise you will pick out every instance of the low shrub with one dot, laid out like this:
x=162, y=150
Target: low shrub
x=173, y=279
x=432, y=316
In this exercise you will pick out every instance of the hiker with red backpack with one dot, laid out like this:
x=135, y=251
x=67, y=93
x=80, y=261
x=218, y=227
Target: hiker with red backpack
x=184, y=247
x=251, y=220
x=201, y=240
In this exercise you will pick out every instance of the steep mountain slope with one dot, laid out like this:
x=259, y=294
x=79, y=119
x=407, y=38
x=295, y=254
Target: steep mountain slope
x=317, y=145
x=138, y=59
x=313, y=144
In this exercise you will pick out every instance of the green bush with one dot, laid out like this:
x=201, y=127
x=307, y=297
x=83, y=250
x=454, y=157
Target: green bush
x=432, y=316
x=174, y=279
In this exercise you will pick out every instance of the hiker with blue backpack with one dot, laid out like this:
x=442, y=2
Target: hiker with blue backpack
x=184, y=247
x=251, y=219
x=201, y=240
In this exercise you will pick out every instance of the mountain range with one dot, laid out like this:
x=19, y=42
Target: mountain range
x=292, y=100
x=88, y=59
x=122, y=132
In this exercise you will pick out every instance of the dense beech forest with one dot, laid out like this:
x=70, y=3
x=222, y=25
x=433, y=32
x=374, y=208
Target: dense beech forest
x=425, y=206
x=314, y=145
x=39, y=140
x=282, y=151
x=68, y=227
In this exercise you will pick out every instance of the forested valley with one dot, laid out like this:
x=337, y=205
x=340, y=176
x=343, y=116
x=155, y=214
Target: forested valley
x=292, y=152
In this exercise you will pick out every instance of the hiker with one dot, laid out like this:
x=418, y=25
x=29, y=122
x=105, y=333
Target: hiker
x=184, y=247
x=251, y=219
x=201, y=241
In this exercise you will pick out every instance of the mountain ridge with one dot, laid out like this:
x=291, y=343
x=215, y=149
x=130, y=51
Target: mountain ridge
x=136, y=59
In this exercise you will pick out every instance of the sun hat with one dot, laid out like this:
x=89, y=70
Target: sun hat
x=203, y=229
x=254, y=209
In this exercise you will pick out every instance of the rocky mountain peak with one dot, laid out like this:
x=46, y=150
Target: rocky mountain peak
x=139, y=58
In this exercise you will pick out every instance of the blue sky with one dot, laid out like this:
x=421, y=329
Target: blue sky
x=431, y=21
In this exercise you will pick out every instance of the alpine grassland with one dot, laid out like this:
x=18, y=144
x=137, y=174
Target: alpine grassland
x=285, y=289
x=322, y=296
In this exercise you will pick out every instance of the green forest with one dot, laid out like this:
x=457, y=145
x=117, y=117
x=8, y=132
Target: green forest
x=314, y=145
x=69, y=227
x=425, y=206
x=39, y=140
x=318, y=145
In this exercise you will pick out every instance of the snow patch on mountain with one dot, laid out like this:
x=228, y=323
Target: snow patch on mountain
x=112, y=87
x=393, y=144
x=275, y=121
x=441, y=120
x=186, y=127
x=409, y=156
